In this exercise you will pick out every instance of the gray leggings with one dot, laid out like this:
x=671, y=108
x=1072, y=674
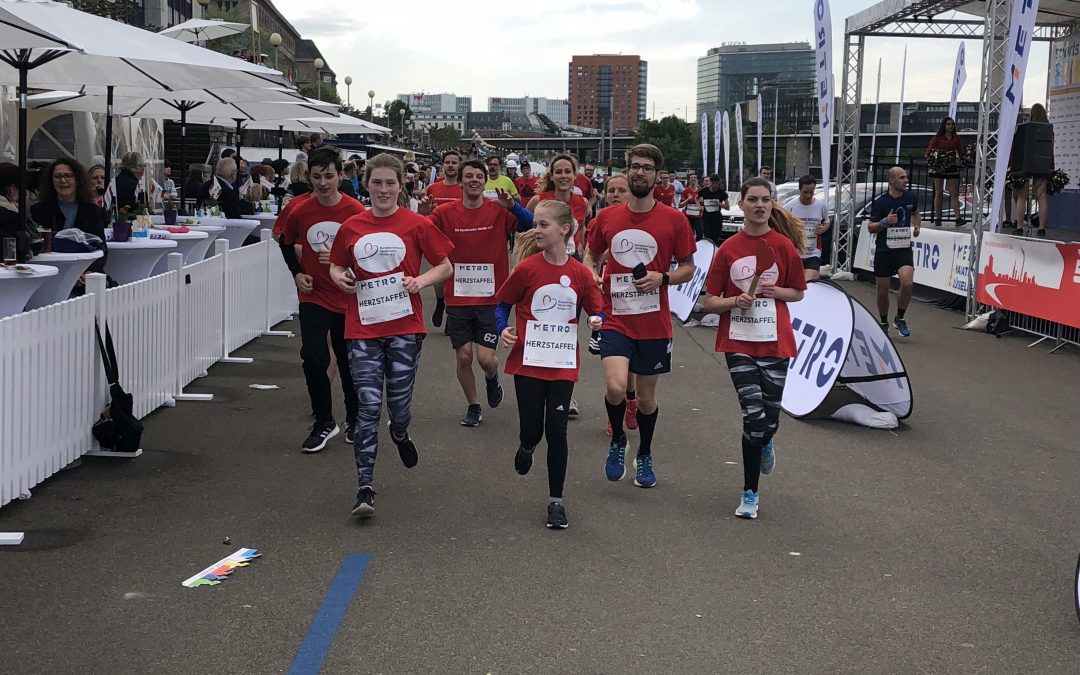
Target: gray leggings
x=376, y=364
x=759, y=382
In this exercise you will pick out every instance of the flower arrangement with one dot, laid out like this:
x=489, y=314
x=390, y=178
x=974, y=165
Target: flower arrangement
x=1057, y=181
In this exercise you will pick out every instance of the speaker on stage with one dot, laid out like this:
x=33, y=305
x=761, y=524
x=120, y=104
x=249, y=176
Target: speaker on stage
x=1033, y=149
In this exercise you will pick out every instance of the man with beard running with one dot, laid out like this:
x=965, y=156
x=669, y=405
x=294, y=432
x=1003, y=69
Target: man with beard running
x=643, y=237
x=446, y=190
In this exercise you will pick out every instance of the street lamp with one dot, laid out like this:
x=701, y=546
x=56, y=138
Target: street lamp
x=371, y=105
x=275, y=40
x=405, y=117
x=319, y=64
x=348, y=90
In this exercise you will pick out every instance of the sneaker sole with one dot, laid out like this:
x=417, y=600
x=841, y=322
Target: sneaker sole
x=746, y=516
x=642, y=485
x=623, y=474
x=472, y=426
x=552, y=526
x=364, y=511
x=322, y=445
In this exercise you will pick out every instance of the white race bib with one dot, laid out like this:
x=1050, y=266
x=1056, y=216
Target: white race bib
x=712, y=205
x=491, y=194
x=810, y=226
x=898, y=237
x=474, y=280
x=757, y=324
x=383, y=299
x=550, y=345
x=625, y=299
x=693, y=210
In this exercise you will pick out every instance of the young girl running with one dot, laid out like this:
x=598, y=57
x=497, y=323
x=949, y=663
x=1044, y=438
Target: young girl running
x=376, y=259
x=755, y=329
x=548, y=291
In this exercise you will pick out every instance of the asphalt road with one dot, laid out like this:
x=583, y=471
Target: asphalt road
x=948, y=545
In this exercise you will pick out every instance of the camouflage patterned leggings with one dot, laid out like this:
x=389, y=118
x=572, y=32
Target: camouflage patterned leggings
x=759, y=382
x=379, y=364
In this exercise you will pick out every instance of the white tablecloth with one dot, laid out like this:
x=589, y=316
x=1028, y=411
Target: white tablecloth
x=266, y=220
x=135, y=260
x=186, y=243
x=205, y=248
x=236, y=231
x=58, y=288
x=17, y=287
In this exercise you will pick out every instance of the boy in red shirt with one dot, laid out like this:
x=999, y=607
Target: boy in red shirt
x=643, y=238
x=755, y=330
x=376, y=262
x=665, y=191
x=526, y=183
x=446, y=190
x=314, y=224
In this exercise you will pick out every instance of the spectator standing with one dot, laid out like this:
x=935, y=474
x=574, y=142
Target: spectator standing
x=943, y=156
x=1037, y=182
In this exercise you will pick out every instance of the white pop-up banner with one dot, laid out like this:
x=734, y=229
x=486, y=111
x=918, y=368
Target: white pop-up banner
x=1017, y=50
x=705, y=142
x=739, y=140
x=727, y=150
x=843, y=358
x=760, y=119
x=824, y=87
x=682, y=298
x=718, y=119
x=958, y=80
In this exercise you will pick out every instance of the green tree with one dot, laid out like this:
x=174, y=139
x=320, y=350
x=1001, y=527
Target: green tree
x=445, y=138
x=675, y=138
x=328, y=93
x=396, y=110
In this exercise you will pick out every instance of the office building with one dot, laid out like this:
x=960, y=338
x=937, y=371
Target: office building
x=783, y=74
x=607, y=91
x=557, y=110
x=419, y=102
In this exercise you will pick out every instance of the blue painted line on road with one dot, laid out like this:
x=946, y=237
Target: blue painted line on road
x=320, y=636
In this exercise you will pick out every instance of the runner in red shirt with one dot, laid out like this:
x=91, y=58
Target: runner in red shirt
x=314, y=224
x=548, y=290
x=691, y=205
x=444, y=191
x=643, y=238
x=286, y=212
x=583, y=183
x=526, y=184
x=376, y=260
x=665, y=191
x=479, y=229
x=757, y=350
x=558, y=184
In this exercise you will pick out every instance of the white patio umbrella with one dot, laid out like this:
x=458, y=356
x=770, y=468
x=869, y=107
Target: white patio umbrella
x=343, y=124
x=109, y=54
x=195, y=30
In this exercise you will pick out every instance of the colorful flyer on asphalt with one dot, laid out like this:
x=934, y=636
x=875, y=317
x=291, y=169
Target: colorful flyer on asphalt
x=219, y=571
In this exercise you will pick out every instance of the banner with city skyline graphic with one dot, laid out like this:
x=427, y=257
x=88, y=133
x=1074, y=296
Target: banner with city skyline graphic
x=1032, y=277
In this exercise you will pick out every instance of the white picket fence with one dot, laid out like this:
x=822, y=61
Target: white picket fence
x=167, y=330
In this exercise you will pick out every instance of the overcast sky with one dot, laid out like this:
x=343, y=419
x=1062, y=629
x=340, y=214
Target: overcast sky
x=523, y=48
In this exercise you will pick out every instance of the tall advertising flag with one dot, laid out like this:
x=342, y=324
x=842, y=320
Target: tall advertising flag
x=725, y=121
x=1017, y=50
x=824, y=85
x=739, y=140
x=705, y=142
x=958, y=80
x=760, y=117
x=877, y=103
x=900, y=121
x=718, y=119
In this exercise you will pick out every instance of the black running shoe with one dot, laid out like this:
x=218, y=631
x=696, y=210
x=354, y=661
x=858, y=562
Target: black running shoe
x=472, y=416
x=494, y=391
x=321, y=432
x=437, y=315
x=365, y=502
x=350, y=433
x=557, y=516
x=523, y=460
x=594, y=342
x=406, y=450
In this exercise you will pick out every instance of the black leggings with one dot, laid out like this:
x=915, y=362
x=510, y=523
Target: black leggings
x=759, y=382
x=316, y=322
x=543, y=407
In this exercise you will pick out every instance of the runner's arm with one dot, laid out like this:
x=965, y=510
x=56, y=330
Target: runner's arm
x=502, y=316
x=714, y=304
x=683, y=273
x=289, y=254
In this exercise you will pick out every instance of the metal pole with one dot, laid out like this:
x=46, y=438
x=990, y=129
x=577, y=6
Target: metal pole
x=24, y=71
x=183, y=152
x=318, y=75
x=280, y=141
x=108, y=135
x=239, y=141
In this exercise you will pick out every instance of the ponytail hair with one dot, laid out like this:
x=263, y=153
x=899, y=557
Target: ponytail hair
x=525, y=245
x=788, y=225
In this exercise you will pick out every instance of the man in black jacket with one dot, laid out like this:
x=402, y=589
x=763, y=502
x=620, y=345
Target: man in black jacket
x=228, y=197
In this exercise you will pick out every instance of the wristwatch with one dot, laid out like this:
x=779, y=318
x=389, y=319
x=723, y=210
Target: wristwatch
x=665, y=280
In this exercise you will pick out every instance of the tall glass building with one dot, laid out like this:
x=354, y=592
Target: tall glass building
x=736, y=72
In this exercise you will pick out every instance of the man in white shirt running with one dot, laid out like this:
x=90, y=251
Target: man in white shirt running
x=815, y=217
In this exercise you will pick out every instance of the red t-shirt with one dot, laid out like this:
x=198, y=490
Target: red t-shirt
x=654, y=238
x=313, y=226
x=286, y=212
x=664, y=195
x=381, y=252
x=553, y=294
x=579, y=208
x=526, y=188
x=584, y=183
x=441, y=193
x=480, y=256
x=731, y=273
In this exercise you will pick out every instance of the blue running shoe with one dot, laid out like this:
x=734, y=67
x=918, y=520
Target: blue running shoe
x=645, y=477
x=901, y=327
x=748, y=505
x=615, y=468
x=768, y=458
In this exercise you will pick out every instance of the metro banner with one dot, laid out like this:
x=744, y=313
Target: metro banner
x=1031, y=276
x=941, y=258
